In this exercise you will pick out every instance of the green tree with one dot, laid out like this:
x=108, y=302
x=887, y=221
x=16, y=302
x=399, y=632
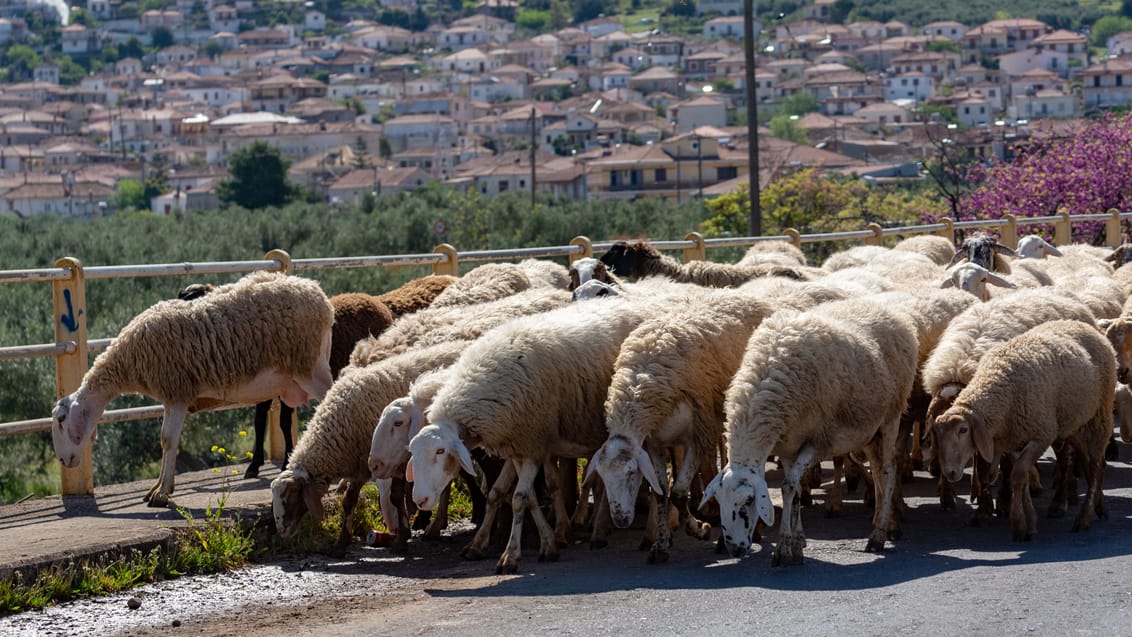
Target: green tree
x=257, y=178
x=559, y=15
x=800, y=103
x=786, y=127
x=943, y=46
x=532, y=20
x=130, y=195
x=211, y=49
x=132, y=48
x=70, y=72
x=78, y=15
x=162, y=37
x=20, y=60
x=1107, y=27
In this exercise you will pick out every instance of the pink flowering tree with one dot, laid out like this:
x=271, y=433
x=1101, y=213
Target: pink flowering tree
x=1088, y=170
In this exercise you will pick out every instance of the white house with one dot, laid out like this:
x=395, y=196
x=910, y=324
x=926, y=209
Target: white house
x=726, y=27
x=702, y=111
x=915, y=86
x=973, y=111
x=418, y=131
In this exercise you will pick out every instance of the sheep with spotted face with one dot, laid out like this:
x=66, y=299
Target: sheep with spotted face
x=511, y=395
x=797, y=395
x=1054, y=382
x=985, y=250
x=590, y=269
x=266, y=335
x=641, y=259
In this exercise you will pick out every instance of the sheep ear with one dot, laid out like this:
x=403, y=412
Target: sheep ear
x=1111, y=256
x=313, y=501
x=409, y=471
x=1104, y=324
x=465, y=457
x=999, y=281
x=644, y=463
x=763, y=504
x=709, y=490
x=1001, y=249
x=591, y=472
x=947, y=283
x=984, y=441
x=1052, y=250
x=959, y=255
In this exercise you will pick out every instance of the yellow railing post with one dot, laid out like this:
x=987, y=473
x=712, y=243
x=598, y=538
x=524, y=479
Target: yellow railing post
x=1062, y=234
x=795, y=237
x=451, y=266
x=697, y=252
x=69, y=302
x=1009, y=235
x=948, y=232
x=878, y=235
x=1112, y=229
x=587, y=248
x=276, y=448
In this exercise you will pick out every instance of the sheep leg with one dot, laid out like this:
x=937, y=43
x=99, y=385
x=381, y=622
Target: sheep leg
x=1023, y=519
x=602, y=520
x=835, y=501
x=1092, y=451
x=477, y=548
x=526, y=472
x=260, y=424
x=390, y=514
x=681, y=496
x=286, y=414
x=562, y=482
x=171, y=425
x=916, y=455
x=658, y=506
x=1062, y=471
x=791, y=536
x=346, y=531
x=982, y=483
x=881, y=453
x=439, y=520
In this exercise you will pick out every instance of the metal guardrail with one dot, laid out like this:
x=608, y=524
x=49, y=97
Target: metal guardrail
x=72, y=347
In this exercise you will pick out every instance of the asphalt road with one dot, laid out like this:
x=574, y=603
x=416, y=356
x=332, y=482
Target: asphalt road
x=943, y=578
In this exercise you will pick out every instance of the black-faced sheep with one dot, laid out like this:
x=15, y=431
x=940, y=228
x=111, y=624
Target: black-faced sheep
x=798, y=394
x=265, y=335
x=1054, y=382
x=641, y=259
x=985, y=250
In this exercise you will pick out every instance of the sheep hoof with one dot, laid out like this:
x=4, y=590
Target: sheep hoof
x=506, y=567
x=658, y=556
x=598, y=544
x=876, y=542
x=548, y=556
x=157, y=500
x=472, y=553
x=252, y=472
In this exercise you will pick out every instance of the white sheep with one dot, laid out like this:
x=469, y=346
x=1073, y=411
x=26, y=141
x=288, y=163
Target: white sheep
x=527, y=392
x=853, y=257
x=266, y=335
x=462, y=322
x=546, y=274
x=971, y=334
x=1054, y=382
x=799, y=393
x=338, y=437
x=974, y=278
x=667, y=391
x=775, y=252
x=590, y=269
x=488, y=282
x=939, y=249
x=1033, y=246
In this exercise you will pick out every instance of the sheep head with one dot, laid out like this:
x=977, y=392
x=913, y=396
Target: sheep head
x=743, y=500
x=974, y=278
x=622, y=463
x=391, y=438
x=593, y=289
x=587, y=269
x=959, y=433
x=438, y=454
x=293, y=495
x=625, y=259
x=72, y=429
x=980, y=249
x=1034, y=247
x=1120, y=255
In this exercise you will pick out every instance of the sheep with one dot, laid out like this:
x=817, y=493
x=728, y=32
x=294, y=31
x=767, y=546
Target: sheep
x=542, y=273
x=798, y=394
x=415, y=295
x=512, y=394
x=939, y=249
x=266, y=335
x=1033, y=246
x=1054, y=382
x=906, y=270
x=337, y=438
x=973, y=278
x=853, y=257
x=775, y=252
x=461, y=322
x=488, y=282
x=641, y=259
x=593, y=289
x=984, y=250
x=587, y=269
x=1104, y=295
x=857, y=281
x=1122, y=412
x=667, y=390
x=970, y=335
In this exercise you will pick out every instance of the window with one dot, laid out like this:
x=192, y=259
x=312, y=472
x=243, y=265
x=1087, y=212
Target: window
x=504, y=186
x=661, y=175
x=1120, y=80
x=726, y=172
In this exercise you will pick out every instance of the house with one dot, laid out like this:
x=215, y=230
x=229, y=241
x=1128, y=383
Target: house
x=497, y=29
x=722, y=7
x=663, y=51
x=384, y=38
x=186, y=199
x=973, y=111
x=511, y=170
x=79, y=40
x=1043, y=103
x=81, y=199
x=820, y=10
x=278, y=92
x=726, y=27
x=469, y=60
x=1074, y=45
x=314, y=20
x=223, y=18
x=419, y=131
x=915, y=86
x=1107, y=84
x=656, y=79
x=610, y=76
x=948, y=29
x=702, y=111
x=884, y=115
x=600, y=26
x=356, y=184
x=1018, y=62
x=460, y=38
x=702, y=65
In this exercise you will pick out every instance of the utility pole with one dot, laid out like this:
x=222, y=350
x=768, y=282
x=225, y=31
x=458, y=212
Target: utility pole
x=700, y=164
x=755, y=218
x=534, y=141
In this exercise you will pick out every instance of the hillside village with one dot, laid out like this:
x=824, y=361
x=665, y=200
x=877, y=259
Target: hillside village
x=601, y=113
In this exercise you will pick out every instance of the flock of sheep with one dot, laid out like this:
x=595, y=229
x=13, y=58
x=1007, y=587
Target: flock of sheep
x=644, y=367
